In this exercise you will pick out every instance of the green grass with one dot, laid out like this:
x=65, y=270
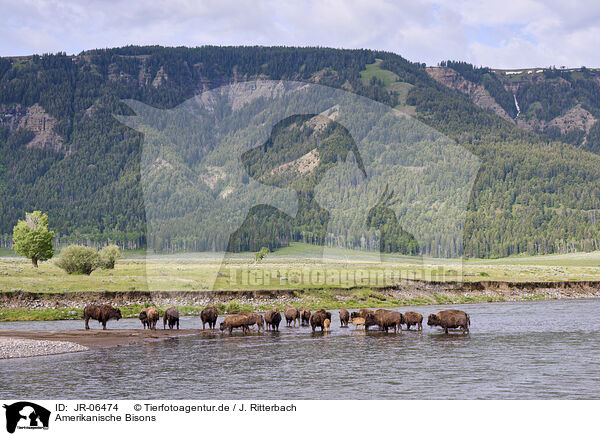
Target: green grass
x=297, y=267
x=375, y=70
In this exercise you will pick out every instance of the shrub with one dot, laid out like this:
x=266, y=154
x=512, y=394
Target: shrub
x=109, y=256
x=77, y=259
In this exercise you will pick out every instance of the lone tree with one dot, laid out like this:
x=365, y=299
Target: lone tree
x=259, y=255
x=32, y=238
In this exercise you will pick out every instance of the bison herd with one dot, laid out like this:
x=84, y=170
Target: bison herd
x=384, y=319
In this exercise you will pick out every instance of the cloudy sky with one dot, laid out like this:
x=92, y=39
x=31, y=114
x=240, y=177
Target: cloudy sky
x=501, y=34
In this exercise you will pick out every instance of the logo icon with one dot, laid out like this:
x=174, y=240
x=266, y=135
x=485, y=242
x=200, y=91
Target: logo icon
x=26, y=415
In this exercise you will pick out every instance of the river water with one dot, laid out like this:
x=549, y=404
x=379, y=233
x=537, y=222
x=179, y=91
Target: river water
x=526, y=350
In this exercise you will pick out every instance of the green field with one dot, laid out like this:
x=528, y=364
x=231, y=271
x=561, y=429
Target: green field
x=294, y=267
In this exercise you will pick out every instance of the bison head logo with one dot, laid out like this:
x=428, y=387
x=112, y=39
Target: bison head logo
x=267, y=162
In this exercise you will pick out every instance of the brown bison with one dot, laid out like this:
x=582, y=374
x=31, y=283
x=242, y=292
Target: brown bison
x=254, y=318
x=305, y=317
x=291, y=315
x=209, y=315
x=318, y=318
x=413, y=318
x=153, y=316
x=344, y=317
x=327, y=325
x=272, y=319
x=234, y=322
x=102, y=314
x=385, y=319
x=171, y=316
x=361, y=313
x=143, y=316
x=450, y=319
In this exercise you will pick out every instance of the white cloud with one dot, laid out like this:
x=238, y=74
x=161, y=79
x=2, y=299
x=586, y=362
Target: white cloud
x=508, y=34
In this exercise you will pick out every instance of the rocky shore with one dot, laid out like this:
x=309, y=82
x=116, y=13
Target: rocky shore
x=11, y=347
x=28, y=343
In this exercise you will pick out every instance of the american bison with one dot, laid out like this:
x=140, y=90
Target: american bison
x=291, y=315
x=344, y=317
x=272, y=319
x=254, y=318
x=413, y=318
x=326, y=325
x=209, y=315
x=153, y=316
x=234, y=322
x=358, y=322
x=385, y=319
x=171, y=316
x=318, y=318
x=305, y=317
x=450, y=319
x=143, y=316
x=102, y=314
x=361, y=313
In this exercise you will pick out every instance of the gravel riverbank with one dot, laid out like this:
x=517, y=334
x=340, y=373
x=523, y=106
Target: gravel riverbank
x=13, y=347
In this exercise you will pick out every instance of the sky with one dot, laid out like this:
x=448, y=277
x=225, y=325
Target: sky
x=499, y=34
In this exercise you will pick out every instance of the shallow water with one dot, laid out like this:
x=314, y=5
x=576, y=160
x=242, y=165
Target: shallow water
x=542, y=349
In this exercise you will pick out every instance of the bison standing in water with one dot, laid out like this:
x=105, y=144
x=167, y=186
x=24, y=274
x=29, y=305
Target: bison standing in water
x=305, y=317
x=450, y=319
x=143, y=316
x=171, y=317
x=153, y=316
x=254, y=318
x=318, y=318
x=209, y=315
x=344, y=317
x=102, y=314
x=413, y=318
x=272, y=319
x=291, y=315
x=234, y=322
x=385, y=319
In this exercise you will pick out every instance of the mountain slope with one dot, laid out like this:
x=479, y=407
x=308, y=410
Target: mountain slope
x=62, y=151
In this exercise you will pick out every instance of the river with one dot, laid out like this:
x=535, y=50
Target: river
x=525, y=350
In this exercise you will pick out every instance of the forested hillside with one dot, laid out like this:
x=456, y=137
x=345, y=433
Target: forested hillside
x=62, y=150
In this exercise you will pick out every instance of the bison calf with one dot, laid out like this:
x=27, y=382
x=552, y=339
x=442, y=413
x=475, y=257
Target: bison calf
x=358, y=322
x=102, y=314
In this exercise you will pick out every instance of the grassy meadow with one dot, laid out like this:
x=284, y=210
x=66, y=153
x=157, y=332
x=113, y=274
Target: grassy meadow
x=299, y=266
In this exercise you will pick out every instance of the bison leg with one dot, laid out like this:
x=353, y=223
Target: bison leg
x=446, y=330
x=87, y=321
x=103, y=325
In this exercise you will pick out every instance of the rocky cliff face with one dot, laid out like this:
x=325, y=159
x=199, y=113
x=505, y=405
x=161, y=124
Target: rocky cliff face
x=36, y=120
x=562, y=104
